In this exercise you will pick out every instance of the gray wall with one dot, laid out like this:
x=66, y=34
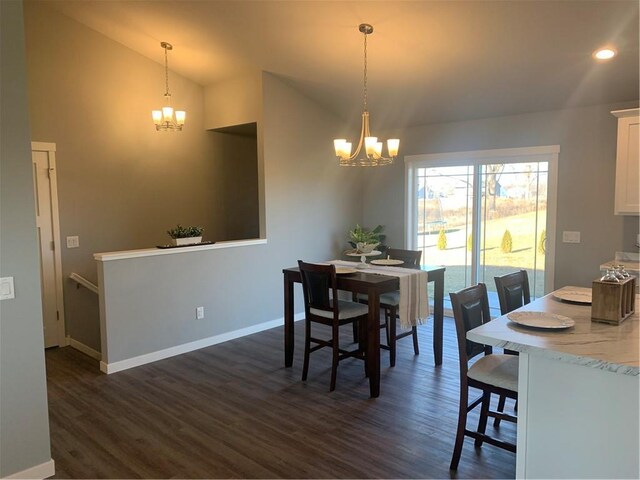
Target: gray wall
x=586, y=176
x=310, y=205
x=24, y=422
x=121, y=183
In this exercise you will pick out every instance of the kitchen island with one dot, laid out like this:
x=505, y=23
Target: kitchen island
x=578, y=393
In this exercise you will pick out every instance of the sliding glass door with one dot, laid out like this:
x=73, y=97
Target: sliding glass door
x=484, y=214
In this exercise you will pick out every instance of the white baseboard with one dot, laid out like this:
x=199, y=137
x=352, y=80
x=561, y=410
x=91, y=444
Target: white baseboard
x=44, y=470
x=83, y=348
x=118, y=366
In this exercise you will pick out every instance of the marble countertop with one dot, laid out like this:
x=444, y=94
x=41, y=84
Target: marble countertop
x=613, y=348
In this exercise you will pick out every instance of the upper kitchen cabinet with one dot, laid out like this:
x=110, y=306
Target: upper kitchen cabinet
x=627, y=200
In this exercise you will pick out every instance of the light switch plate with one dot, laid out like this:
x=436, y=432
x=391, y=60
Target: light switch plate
x=571, y=237
x=199, y=313
x=6, y=288
x=73, y=242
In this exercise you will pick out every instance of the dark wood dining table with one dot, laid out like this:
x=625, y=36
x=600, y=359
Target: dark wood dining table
x=373, y=284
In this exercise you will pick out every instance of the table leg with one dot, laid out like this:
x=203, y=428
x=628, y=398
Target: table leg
x=438, y=316
x=373, y=343
x=288, y=321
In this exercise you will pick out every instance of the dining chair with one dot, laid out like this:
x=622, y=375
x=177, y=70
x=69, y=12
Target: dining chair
x=322, y=306
x=389, y=303
x=491, y=373
x=513, y=292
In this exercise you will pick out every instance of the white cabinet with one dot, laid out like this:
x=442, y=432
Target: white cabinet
x=627, y=201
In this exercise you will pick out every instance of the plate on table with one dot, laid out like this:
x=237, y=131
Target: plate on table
x=345, y=270
x=544, y=320
x=387, y=261
x=574, y=295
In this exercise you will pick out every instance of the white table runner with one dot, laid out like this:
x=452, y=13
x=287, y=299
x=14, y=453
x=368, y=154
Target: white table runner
x=413, y=308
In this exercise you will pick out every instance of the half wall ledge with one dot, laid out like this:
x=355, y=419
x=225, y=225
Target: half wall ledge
x=152, y=252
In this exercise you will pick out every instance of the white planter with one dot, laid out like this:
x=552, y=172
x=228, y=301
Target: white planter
x=186, y=241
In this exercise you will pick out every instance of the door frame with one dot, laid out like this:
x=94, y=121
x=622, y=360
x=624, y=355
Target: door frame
x=545, y=153
x=50, y=149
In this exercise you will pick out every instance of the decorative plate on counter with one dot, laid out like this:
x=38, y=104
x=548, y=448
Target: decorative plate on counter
x=345, y=270
x=574, y=294
x=386, y=261
x=541, y=320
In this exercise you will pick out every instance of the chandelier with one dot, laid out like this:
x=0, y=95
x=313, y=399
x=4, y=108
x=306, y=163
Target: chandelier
x=372, y=154
x=165, y=118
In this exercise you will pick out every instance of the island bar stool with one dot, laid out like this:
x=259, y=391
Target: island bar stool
x=492, y=373
x=390, y=301
x=321, y=305
x=513, y=292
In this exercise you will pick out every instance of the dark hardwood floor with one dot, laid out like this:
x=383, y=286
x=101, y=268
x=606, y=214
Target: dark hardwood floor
x=234, y=411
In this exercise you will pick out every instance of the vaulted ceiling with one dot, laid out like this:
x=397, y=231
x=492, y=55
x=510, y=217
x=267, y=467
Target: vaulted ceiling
x=429, y=61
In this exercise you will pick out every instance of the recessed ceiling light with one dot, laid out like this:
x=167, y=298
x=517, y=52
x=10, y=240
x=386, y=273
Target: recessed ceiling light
x=604, y=53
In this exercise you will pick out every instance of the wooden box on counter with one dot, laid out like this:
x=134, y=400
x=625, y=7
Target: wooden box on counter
x=613, y=302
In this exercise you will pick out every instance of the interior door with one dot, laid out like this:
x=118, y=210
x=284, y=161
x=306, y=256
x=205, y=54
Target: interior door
x=42, y=170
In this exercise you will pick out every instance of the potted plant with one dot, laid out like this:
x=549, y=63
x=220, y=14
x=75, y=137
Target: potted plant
x=185, y=235
x=365, y=240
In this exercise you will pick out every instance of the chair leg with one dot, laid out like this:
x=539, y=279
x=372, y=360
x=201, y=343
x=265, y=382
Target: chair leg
x=362, y=344
x=482, y=423
x=392, y=336
x=386, y=325
x=356, y=338
x=307, y=348
x=501, y=402
x=414, y=333
x=336, y=354
x=462, y=425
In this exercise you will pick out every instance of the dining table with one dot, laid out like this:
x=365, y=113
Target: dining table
x=578, y=387
x=374, y=285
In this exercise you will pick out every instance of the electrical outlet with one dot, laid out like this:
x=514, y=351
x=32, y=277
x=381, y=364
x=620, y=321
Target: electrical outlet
x=199, y=313
x=7, y=291
x=73, y=242
x=570, y=237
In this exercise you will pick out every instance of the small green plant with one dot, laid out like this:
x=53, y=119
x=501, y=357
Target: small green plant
x=185, y=232
x=362, y=235
x=442, y=240
x=542, y=244
x=507, y=242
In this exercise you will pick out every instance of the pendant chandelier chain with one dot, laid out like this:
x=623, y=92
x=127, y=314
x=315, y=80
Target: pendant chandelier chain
x=365, y=73
x=166, y=72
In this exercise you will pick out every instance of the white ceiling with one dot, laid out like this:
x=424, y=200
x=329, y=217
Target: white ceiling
x=429, y=61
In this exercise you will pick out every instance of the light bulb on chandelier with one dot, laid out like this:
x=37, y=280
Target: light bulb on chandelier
x=372, y=155
x=165, y=119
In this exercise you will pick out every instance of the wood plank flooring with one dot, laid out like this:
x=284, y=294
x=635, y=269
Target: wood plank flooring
x=234, y=411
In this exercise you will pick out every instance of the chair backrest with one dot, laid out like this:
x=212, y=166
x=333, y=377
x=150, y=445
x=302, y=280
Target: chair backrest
x=411, y=258
x=470, y=310
x=513, y=291
x=318, y=281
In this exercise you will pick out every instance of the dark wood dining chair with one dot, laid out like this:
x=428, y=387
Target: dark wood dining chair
x=321, y=305
x=492, y=373
x=513, y=292
x=389, y=303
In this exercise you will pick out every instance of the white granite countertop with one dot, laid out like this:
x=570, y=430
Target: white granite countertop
x=614, y=348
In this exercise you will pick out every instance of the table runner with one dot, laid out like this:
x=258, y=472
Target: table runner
x=413, y=308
